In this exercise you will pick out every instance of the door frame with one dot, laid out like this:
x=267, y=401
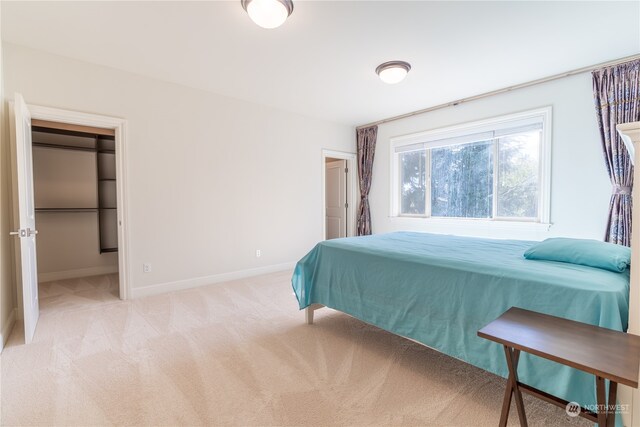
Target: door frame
x=352, y=189
x=119, y=126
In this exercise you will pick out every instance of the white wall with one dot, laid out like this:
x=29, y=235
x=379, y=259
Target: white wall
x=580, y=187
x=211, y=179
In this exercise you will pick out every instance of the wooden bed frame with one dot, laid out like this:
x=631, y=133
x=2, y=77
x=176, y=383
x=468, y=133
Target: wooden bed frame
x=626, y=396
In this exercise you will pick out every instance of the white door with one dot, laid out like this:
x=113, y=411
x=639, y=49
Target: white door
x=336, y=199
x=25, y=232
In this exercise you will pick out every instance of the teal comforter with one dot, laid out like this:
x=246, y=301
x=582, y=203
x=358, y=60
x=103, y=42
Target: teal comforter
x=439, y=290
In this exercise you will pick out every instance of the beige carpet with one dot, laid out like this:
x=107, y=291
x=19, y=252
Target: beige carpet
x=238, y=354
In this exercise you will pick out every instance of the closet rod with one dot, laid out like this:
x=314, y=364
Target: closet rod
x=503, y=90
x=61, y=210
x=63, y=147
x=72, y=147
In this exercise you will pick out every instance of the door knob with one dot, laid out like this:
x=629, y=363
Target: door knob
x=23, y=232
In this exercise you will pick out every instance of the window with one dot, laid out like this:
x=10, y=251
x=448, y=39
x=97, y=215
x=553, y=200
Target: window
x=494, y=170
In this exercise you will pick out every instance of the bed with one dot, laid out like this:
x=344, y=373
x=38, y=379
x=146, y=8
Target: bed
x=439, y=290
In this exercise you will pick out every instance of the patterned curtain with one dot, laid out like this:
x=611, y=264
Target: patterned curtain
x=616, y=91
x=366, y=139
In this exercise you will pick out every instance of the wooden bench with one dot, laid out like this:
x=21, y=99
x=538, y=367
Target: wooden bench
x=607, y=354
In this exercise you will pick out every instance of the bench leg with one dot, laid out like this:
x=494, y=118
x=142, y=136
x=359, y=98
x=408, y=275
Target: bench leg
x=606, y=409
x=611, y=415
x=512, y=357
x=506, y=404
x=602, y=402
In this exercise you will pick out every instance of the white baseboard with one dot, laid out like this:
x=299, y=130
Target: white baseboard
x=81, y=272
x=207, y=280
x=6, y=328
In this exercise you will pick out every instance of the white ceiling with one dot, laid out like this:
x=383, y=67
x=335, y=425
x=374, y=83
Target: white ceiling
x=321, y=62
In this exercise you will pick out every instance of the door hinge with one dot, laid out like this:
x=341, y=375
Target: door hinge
x=346, y=170
x=346, y=205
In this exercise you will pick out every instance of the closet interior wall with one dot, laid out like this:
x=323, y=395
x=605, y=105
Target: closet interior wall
x=75, y=201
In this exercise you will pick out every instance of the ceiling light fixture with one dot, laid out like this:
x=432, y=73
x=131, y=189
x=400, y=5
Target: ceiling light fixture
x=393, y=72
x=268, y=13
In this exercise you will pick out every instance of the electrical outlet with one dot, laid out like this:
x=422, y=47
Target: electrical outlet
x=258, y=253
x=146, y=267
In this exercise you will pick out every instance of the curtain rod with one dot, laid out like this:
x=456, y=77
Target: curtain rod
x=503, y=90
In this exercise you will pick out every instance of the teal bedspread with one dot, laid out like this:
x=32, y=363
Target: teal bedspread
x=439, y=290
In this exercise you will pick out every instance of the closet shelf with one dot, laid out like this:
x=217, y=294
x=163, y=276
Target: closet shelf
x=66, y=209
x=105, y=166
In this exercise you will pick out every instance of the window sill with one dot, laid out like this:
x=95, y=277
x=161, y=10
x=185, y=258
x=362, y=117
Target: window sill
x=499, y=229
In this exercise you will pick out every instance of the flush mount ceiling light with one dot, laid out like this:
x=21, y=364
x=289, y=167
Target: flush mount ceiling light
x=268, y=13
x=393, y=71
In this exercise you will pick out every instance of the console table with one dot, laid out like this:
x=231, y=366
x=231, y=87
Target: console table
x=605, y=353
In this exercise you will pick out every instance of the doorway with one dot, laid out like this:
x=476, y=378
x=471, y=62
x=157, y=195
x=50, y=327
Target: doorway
x=339, y=194
x=69, y=181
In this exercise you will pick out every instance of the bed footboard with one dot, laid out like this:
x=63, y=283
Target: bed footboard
x=308, y=313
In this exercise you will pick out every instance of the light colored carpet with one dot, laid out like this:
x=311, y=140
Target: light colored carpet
x=237, y=354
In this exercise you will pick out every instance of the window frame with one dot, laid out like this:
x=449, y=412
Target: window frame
x=429, y=140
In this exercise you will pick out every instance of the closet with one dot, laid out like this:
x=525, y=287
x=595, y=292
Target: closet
x=74, y=171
